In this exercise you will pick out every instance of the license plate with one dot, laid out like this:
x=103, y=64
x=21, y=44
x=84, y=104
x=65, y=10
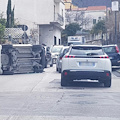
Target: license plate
x=111, y=57
x=54, y=60
x=86, y=63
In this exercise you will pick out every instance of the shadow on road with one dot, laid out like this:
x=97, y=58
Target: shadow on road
x=86, y=84
x=80, y=84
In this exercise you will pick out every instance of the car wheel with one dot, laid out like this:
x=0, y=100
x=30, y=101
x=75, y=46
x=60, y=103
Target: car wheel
x=63, y=81
x=46, y=64
x=107, y=83
x=56, y=68
x=8, y=73
x=59, y=70
x=51, y=65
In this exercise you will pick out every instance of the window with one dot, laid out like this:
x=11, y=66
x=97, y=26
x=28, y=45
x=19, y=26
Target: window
x=59, y=41
x=62, y=12
x=94, y=21
x=110, y=49
x=99, y=18
x=86, y=51
x=55, y=41
x=54, y=12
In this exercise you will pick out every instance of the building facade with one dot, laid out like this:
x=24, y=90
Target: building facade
x=45, y=17
x=86, y=17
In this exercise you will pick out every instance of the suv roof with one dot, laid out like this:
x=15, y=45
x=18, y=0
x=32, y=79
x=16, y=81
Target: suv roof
x=86, y=49
x=109, y=45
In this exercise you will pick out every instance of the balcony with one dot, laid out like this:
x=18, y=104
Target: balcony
x=58, y=20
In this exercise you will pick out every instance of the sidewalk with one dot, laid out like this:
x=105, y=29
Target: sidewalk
x=118, y=70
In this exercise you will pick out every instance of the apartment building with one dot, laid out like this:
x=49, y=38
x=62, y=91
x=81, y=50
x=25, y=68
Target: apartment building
x=86, y=16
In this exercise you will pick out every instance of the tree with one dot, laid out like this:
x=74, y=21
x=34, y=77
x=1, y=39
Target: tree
x=10, y=15
x=78, y=17
x=99, y=28
x=70, y=30
x=2, y=27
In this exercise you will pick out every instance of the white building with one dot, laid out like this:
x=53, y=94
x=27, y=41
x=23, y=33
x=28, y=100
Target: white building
x=96, y=13
x=45, y=16
x=86, y=16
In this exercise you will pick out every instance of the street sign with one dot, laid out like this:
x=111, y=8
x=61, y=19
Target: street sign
x=115, y=6
x=24, y=27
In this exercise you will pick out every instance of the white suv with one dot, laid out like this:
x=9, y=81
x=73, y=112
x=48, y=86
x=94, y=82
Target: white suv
x=86, y=62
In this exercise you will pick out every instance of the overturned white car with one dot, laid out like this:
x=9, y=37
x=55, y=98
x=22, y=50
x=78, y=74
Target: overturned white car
x=21, y=58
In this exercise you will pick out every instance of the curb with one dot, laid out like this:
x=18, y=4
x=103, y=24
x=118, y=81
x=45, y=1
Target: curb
x=118, y=71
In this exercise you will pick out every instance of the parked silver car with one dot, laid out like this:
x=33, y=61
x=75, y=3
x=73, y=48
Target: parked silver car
x=55, y=50
x=59, y=58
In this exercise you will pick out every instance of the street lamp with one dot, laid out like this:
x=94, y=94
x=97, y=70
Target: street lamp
x=115, y=8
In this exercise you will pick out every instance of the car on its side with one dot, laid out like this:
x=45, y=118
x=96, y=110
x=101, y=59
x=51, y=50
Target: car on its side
x=84, y=62
x=63, y=51
x=113, y=52
x=55, y=50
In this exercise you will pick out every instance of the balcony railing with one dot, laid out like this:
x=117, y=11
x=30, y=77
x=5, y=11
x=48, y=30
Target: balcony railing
x=59, y=19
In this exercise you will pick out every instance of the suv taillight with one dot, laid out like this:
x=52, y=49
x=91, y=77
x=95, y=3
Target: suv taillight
x=69, y=56
x=104, y=57
x=60, y=58
x=117, y=49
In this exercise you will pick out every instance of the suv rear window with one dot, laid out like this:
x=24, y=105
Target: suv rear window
x=110, y=49
x=86, y=51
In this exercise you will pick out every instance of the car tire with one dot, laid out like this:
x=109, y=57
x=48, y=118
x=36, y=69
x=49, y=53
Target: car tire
x=59, y=70
x=63, y=81
x=56, y=69
x=45, y=63
x=51, y=65
x=107, y=83
x=8, y=73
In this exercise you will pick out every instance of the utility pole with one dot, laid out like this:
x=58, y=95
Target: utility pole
x=115, y=8
x=116, y=27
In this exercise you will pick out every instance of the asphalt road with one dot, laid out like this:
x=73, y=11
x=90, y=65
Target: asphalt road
x=39, y=96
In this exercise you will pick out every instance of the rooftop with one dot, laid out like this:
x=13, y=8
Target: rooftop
x=91, y=8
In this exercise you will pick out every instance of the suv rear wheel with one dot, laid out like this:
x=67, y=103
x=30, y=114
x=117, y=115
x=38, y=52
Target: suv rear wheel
x=51, y=65
x=59, y=70
x=107, y=83
x=63, y=81
x=56, y=68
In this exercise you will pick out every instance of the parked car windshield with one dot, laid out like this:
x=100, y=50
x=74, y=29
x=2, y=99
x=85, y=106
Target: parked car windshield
x=74, y=43
x=86, y=51
x=56, y=49
x=110, y=49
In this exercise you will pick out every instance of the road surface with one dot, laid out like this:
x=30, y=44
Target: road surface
x=40, y=96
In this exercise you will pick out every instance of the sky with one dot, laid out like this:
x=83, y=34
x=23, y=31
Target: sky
x=86, y=3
